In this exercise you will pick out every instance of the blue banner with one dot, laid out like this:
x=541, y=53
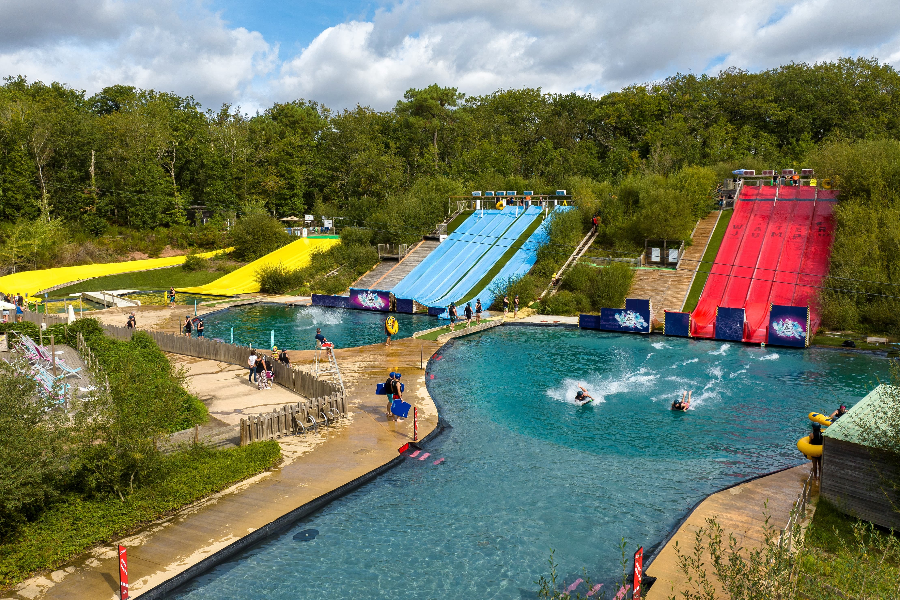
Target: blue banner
x=677, y=323
x=730, y=324
x=789, y=326
x=402, y=305
x=331, y=301
x=589, y=321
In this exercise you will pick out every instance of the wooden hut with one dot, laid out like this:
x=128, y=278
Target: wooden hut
x=855, y=472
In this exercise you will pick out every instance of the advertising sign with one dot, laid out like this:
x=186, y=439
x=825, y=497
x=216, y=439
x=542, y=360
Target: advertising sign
x=730, y=324
x=370, y=300
x=789, y=326
x=678, y=324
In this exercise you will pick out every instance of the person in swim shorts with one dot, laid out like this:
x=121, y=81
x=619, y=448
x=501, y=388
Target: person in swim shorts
x=582, y=397
x=389, y=390
x=453, y=316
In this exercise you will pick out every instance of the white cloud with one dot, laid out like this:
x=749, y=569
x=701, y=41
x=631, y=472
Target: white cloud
x=91, y=45
x=476, y=46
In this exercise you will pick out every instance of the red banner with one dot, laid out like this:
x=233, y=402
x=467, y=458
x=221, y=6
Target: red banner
x=123, y=574
x=638, y=572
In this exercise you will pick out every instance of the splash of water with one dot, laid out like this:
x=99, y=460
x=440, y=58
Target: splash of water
x=772, y=356
x=660, y=345
x=721, y=351
x=310, y=317
x=600, y=390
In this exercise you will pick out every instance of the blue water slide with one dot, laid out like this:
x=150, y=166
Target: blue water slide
x=454, y=267
x=488, y=259
x=467, y=230
x=522, y=261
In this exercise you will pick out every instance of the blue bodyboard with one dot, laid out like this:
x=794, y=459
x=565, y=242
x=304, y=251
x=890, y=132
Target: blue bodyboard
x=400, y=408
x=379, y=389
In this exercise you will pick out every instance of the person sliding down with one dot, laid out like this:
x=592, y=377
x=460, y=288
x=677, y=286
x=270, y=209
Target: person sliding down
x=582, y=397
x=684, y=403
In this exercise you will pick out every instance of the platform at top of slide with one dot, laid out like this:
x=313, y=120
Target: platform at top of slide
x=33, y=282
x=295, y=255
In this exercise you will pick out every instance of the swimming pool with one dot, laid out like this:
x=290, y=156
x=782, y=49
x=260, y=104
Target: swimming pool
x=295, y=326
x=527, y=471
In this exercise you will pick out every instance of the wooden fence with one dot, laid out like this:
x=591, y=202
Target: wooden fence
x=293, y=419
x=38, y=318
x=300, y=382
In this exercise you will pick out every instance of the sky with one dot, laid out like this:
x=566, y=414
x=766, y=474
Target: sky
x=253, y=53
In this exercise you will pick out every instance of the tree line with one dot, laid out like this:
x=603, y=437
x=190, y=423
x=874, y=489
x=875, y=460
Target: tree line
x=141, y=158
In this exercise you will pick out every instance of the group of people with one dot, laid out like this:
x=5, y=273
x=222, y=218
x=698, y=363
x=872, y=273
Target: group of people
x=260, y=366
x=18, y=301
x=187, y=328
x=515, y=306
x=454, y=315
x=394, y=391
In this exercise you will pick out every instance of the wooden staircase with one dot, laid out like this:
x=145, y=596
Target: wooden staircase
x=389, y=273
x=582, y=247
x=668, y=288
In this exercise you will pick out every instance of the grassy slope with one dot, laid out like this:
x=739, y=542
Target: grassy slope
x=157, y=279
x=708, y=258
x=458, y=220
x=75, y=524
x=503, y=260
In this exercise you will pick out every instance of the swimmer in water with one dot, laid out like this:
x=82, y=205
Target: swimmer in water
x=582, y=397
x=684, y=403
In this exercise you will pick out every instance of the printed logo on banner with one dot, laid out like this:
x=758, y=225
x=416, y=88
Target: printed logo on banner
x=789, y=328
x=370, y=299
x=631, y=320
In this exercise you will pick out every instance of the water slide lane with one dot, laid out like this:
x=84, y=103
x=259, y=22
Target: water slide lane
x=757, y=307
x=295, y=255
x=441, y=277
x=523, y=259
x=735, y=295
x=32, y=282
x=487, y=261
x=789, y=264
x=464, y=231
x=704, y=315
x=814, y=267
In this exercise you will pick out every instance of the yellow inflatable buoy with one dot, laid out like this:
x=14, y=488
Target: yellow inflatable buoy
x=810, y=450
x=820, y=419
x=391, y=325
x=499, y=205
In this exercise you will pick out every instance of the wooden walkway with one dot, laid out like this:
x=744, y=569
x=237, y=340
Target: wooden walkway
x=668, y=288
x=740, y=510
x=389, y=273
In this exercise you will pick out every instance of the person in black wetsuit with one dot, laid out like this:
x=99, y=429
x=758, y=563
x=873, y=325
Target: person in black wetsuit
x=468, y=314
x=842, y=409
x=815, y=439
x=188, y=328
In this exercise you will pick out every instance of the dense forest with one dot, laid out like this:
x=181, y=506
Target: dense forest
x=645, y=159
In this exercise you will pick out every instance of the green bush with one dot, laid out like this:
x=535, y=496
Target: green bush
x=278, y=279
x=356, y=236
x=194, y=262
x=257, y=234
x=613, y=285
x=564, y=303
x=332, y=271
x=527, y=287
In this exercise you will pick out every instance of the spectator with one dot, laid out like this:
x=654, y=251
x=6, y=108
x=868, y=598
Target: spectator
x=171, y=297
x=453, y=316
x=132, y=322
x=251, y=363
x=516, y=311
x=200, y=329
x=478, y=311
x=260, y=368
x=188, y=328
x=505, y=305
x=20, y=314
x=468, y=314
x=283, y=357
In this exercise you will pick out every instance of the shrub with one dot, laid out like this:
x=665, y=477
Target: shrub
x=257, y=234
x=356, y=236
x=278, y=279
x=564, y=303
x=193, y=262
x=526, y=287
x=613, y=285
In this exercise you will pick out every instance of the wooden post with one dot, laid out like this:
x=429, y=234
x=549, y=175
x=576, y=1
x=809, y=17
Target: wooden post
x=53, y=353
x=243, y=432
x=196, y=434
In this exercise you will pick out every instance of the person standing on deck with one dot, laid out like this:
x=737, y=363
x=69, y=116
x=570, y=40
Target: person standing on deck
x=478, y=310
x=200, y=329
x=505, y=306
x=171, y=297
x=516, y=311
x=453, y=315
x=468, y=314
x=251, y=363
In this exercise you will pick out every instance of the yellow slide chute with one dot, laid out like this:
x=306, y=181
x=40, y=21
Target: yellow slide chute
x=32, y=282
x=295, y=255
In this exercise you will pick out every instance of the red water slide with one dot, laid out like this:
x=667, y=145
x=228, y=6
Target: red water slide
x=735, y=295
x=815, y=261
x=757, y=301
x=704, y=316
x=792, y=254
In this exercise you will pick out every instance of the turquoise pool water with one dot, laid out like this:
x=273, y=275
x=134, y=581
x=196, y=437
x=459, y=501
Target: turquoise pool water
x=527, y=471
x=295, y=326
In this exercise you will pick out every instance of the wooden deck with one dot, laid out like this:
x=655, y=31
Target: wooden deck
x=668, y=288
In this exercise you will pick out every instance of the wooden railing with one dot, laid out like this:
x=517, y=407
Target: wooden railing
x=293, y=419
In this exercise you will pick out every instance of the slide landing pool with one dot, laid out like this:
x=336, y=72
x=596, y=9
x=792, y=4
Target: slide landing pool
x=525, y=470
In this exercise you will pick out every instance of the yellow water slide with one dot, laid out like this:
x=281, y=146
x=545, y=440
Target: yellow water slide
x=295, y=255
x=32, y=282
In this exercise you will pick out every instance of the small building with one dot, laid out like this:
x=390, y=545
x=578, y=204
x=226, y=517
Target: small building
x=856, y=474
